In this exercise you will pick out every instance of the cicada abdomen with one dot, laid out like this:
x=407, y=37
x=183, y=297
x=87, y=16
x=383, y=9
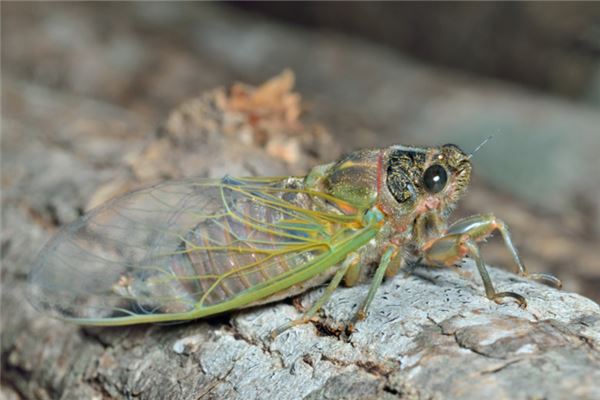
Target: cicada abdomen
x=183, y=246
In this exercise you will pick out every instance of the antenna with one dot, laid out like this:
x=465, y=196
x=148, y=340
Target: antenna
x=487, y=139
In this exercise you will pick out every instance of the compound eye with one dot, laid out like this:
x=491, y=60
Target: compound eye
x=435, y=178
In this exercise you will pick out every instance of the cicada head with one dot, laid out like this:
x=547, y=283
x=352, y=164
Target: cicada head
x=402, y=181
x=423, y=179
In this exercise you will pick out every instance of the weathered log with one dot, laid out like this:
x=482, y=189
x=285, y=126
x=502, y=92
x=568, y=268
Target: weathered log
x=432, y=334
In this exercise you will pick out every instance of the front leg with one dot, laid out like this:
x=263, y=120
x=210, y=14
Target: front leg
x=461, y=239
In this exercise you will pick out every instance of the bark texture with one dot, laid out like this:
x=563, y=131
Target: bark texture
x=432, y=334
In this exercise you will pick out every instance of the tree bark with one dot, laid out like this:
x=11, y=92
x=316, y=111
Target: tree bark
x=432, y=334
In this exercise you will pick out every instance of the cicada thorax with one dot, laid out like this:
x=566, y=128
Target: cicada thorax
x=249, y=236
x=352, y=179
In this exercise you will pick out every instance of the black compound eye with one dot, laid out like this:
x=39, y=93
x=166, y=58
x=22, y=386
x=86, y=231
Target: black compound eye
x=435, y=178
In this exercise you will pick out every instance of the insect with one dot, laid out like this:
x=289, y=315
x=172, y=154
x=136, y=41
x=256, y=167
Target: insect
x=188, y=249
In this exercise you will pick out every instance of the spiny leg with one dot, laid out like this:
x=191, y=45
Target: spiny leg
x=479, y=227
x=384, y=263
x=351, y=261
x=449, y=249
x=485, y=277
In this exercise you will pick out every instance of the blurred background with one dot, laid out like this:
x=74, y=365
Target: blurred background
x=85, y=84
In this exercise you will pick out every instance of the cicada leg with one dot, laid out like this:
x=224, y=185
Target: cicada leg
x=461, y=239
x=349, y=263
x=386, y=259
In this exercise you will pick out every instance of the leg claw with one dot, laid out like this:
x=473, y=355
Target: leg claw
x=360, y=315
x=546, y=279
x=518, y=298
x=277, y=331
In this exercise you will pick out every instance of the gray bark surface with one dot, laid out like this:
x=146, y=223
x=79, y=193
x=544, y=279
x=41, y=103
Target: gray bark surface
x=432, y=334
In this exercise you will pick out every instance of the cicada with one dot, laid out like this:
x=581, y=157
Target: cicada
x=190, y=249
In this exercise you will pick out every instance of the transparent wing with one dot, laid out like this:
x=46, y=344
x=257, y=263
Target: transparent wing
x=180, y=247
